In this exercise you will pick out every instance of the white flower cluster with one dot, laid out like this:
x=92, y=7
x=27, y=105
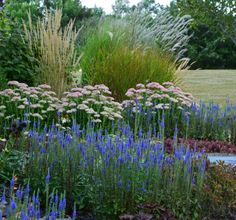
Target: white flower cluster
x=157, y=96
x=95, y=101
x=36, y=101
x=40, y=102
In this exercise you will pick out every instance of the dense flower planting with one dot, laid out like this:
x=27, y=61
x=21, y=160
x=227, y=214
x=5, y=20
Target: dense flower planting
x=95, y=101
x=137, y=149
x=35, y=104
x=158, y=96
x=213, y=122
x=17, y=203
x=126, y=170
x=148, y=104
x=94, y=156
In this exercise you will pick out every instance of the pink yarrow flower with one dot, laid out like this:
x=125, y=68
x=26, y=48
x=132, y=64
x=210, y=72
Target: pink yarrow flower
x=76, y=90
x=140, y=86
x=8, y=92
x=101, y=87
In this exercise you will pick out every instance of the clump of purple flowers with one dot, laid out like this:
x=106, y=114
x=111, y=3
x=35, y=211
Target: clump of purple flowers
x=123, y=167
x=20, y=205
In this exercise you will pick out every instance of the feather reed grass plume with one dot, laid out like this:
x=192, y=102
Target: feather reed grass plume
x=54, y=48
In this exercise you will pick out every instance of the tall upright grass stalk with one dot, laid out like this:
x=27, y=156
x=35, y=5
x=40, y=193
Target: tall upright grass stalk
x=54, y=48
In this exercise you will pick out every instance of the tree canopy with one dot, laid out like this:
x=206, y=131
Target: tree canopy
x=218, y=15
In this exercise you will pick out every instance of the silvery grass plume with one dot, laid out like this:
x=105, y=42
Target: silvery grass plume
x=162, y=31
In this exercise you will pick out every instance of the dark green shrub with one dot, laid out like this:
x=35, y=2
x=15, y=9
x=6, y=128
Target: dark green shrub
x=3, y=80
x=16, y=61
x=12, y=161
x=209, y=50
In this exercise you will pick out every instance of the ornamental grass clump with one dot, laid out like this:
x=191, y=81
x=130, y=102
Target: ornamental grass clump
x=107, y=175
x=163, y=31
x=137, y=48
x=54, y=48
x=110, y=58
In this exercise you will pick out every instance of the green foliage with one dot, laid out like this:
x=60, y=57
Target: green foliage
x=219, y=16
x=209, y=50
x=16, y=60
x=17, y=10
x=72, y=9
x=213, y=44
x=220, y=191
x=113, y=59
x=122, y=7
x=12, y=161
x=3, y=80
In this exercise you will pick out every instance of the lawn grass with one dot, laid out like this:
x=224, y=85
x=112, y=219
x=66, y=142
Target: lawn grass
x=210, y=85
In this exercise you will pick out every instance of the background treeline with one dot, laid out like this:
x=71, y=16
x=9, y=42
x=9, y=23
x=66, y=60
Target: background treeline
x=213, y=44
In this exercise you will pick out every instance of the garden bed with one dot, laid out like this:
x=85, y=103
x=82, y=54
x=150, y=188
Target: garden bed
x=118, y=163
x=222, y=147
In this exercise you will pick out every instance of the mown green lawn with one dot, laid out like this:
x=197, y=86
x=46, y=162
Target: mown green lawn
x=210, y=85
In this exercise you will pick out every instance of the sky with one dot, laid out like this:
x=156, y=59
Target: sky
x=106, y=4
